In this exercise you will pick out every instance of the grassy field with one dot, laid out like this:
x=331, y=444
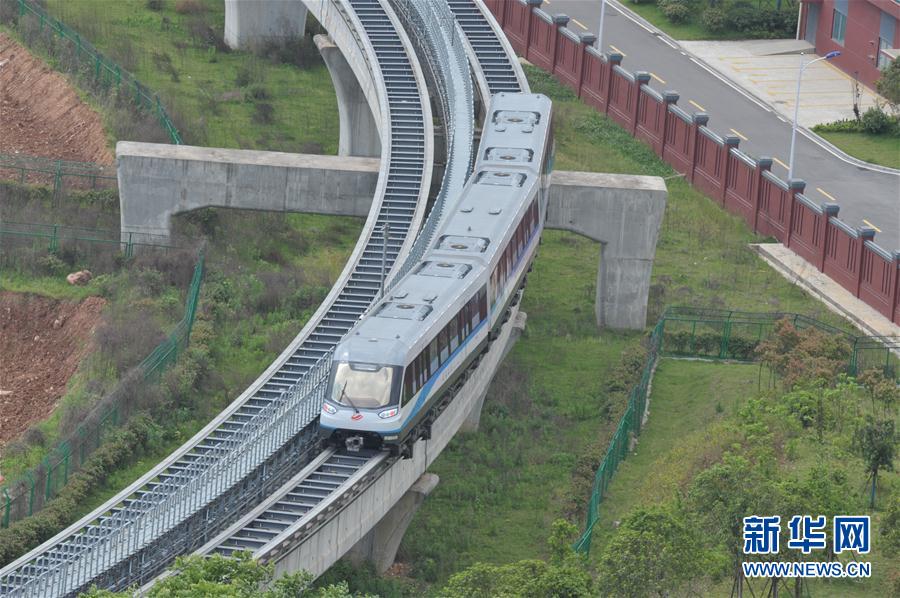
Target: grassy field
x=691, y=405
x=218, y=98
x=877, y=149
x=548, y=410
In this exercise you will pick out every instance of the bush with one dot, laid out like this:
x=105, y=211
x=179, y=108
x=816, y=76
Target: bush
x=155, y=4
x=52, y=265
x=889, y=84
x=840, y=126
x=715, y=20
x=876, y=121
x=676, y=11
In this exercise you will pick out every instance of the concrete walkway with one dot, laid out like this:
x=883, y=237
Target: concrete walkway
x=768, y=69
x=834, y=296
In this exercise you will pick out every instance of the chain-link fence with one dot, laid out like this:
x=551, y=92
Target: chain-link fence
x=55, y=248
x=106, y=73
x=62, y=175
x=685, y=332
x=31, y=491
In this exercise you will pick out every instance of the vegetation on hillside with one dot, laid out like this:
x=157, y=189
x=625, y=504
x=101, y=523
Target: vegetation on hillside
x=266, y=273
x=720, y=19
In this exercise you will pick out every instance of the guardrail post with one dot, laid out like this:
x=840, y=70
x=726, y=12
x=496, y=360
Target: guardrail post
x=731, y=142
x=829, y=210
x=762, y=165
x=669, y=97
x=7, y=507
x=54, y=239
x=21, y=8
x=640, y=78
x=699, y=120
x=612, y=60
x=865, y=234
x=57, y=180
x=587, y=40
x=795, y=186
x=560, y=20
x=895, y=295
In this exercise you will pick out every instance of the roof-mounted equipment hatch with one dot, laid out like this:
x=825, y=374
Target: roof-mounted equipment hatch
x=509, y=154
x=403, y=311
x=444, y=269
x=500, y=179
x=520, y=120
x=465, y=244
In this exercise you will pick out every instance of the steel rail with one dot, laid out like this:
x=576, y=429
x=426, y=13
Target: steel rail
x=130, y=538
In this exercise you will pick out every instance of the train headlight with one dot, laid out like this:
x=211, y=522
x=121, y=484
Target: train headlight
x=388, y=413
x=328, y=409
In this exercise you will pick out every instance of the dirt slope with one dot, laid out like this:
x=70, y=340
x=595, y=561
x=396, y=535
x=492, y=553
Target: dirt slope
x=41, y=115
x=41, y=343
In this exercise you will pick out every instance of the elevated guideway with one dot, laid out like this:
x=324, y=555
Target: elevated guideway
x=264, y=437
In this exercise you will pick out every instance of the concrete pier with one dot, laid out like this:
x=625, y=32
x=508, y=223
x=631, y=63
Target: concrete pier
x=157, y=181
x=622, y=212
x=380, y=544
x=358, y=131
x=250, y=24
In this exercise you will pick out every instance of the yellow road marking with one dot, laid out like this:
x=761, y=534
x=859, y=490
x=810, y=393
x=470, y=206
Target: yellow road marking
x=658, y=78
x=579, y=23
x=826, y=194
x=739, y=134
x=877, y=230
x=696, y=105
x=782, y=163
x=618, y=50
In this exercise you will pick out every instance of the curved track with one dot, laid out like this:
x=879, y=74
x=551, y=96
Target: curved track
x=216, y=475
x=265, y=440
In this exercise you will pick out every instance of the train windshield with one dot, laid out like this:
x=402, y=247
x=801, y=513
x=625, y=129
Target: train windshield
x=363, y=385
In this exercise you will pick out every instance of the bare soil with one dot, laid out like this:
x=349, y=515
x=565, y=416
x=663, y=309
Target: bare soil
x=40, y=113
x=42, y=342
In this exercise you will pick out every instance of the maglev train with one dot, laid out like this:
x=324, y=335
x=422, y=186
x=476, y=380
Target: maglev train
x=409, y=352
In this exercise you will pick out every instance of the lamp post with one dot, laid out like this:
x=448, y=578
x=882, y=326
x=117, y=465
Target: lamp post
x=803, y=66
x=600, y=30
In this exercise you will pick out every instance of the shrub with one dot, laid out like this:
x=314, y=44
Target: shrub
x=715, y=20
x=889, y=84
x=876, y=121
x=155, y=4
x=676, y=11
x=189, y=7
x=52, y=265
x=840, y=126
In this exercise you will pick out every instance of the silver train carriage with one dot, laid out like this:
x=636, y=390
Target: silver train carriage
x=400, y=360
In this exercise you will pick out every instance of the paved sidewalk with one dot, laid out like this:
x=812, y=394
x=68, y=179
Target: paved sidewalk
x=768, y=69
x=834, y=296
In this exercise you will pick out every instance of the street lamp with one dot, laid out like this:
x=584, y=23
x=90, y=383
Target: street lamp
x=803, y=66
x=600, y=31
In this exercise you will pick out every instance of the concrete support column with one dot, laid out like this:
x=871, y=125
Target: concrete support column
x=249, y=24
x=624, y=214
x=380, y=544
x=358, y=132
x=470, y=424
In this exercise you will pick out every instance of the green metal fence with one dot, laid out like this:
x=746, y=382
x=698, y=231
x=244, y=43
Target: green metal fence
x=106, y=72
x=685, y=332
x=61, y=174
x=22, y=242
x=30, y=492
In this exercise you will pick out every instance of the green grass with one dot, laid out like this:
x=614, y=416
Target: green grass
x=690, y=403
x=166, y=51
x=680, y=31
x=502, y=487
x=54, y=287
x=877, y=149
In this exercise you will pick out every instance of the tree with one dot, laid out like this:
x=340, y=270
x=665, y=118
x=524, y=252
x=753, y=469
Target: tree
x=654, y=552
x=889, y=85
x=804, y=355
x=890, y=527
x=564, y=576
x=722, y=495
x=239, y=576
x=876, y=443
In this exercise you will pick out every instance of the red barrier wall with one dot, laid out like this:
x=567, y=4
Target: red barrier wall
x=770, y=206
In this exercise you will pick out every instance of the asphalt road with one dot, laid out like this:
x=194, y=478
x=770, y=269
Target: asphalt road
x=866, y=197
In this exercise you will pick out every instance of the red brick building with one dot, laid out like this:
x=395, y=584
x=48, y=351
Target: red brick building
x=865, y=32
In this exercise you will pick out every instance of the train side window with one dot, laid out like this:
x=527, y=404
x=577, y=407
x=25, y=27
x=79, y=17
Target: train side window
x=453, y=333
x=482, y=303
x=462, y=324
x=408, y=390
x=433, y=353
x=422, y=372
x=474, y=312
x=445, y=349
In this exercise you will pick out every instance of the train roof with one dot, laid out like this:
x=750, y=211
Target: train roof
x=507, y=168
